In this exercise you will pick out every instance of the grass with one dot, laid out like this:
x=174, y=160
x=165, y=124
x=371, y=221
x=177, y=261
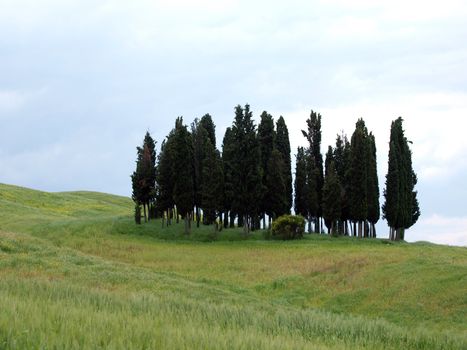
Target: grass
x=76, y=272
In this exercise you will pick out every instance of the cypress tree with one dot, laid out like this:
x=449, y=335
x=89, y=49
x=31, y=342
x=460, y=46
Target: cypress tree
x=373, y=187
x=331, y=198
x=358, y=176
x=199, y=136
x=312, y=195
x=313, y=135
x=342, y=164
x=166, y=178
x=228, y=163
x=277, y=199
x=300, y=184
x=247, y=174
x=400, y=209
x=144, y=177
x=183, y=171
x=266, y=140
x=329, y=158
x=208, y=125
x=213, y=184
x=283, y=146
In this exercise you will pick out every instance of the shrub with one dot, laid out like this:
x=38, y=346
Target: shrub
x=288, y=227
x=138, y=214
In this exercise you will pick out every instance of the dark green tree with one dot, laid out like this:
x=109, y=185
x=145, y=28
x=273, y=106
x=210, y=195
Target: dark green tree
x=208, y=125
x=342, y=164
x=283, y=146
x=199, y=136
x=329, y=158
x=166, y=178
x=144, y=177
x=266, y=140
x=312, y=198
x=246, y=177
x=183, y=172
x=358, y=176
x=401, y=208
x=313, y=135
x=138, y=214
x=228, y=165
x=213, y=184
x=372, y=187
x=276, y=194
x=331, y=198
x=300, y=184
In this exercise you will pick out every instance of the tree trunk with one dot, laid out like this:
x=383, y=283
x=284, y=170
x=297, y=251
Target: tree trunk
x=198, y=218
x=245, y=225
x=163, y=219
x=144, y=209
x=373, y=230
x=226, y=219
x=309, y=225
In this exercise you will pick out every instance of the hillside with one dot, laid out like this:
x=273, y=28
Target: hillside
x=77, y=273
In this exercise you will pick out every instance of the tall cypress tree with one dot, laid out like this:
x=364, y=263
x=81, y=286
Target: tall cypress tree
x=266, y=140
x=283, y=146
x=213, y=184
x=312, y=198
x=199, y=136
x=183, y=171
x=247, y=170
x=300, y=184
x=228, y=164
x=342, y=164
x=373, y=187
x=358, y=176
x=328, y=160
x=144, y=177
x=166, y=178
x=400, y=209
x=313, y=135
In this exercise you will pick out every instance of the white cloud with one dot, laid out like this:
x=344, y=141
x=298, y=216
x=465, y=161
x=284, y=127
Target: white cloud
x=440, y=229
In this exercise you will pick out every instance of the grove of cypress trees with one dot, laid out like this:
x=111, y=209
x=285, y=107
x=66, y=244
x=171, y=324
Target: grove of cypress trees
x=400, y=209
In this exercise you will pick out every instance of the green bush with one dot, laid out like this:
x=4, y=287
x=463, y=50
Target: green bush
x=288, y=227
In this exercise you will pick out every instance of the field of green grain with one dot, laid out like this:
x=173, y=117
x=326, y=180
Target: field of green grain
x=76, y=272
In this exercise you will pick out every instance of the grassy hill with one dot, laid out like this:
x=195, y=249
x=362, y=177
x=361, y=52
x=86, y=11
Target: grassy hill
x=76, y=272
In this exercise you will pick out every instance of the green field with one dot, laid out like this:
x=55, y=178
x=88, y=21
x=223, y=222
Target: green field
x=76, y=272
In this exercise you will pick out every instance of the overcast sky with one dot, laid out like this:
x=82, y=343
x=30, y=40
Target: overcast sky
x=81, y=81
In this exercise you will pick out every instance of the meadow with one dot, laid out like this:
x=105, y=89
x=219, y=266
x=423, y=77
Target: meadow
x=76, y=272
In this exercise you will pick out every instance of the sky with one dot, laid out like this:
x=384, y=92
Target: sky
x=82, y=80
